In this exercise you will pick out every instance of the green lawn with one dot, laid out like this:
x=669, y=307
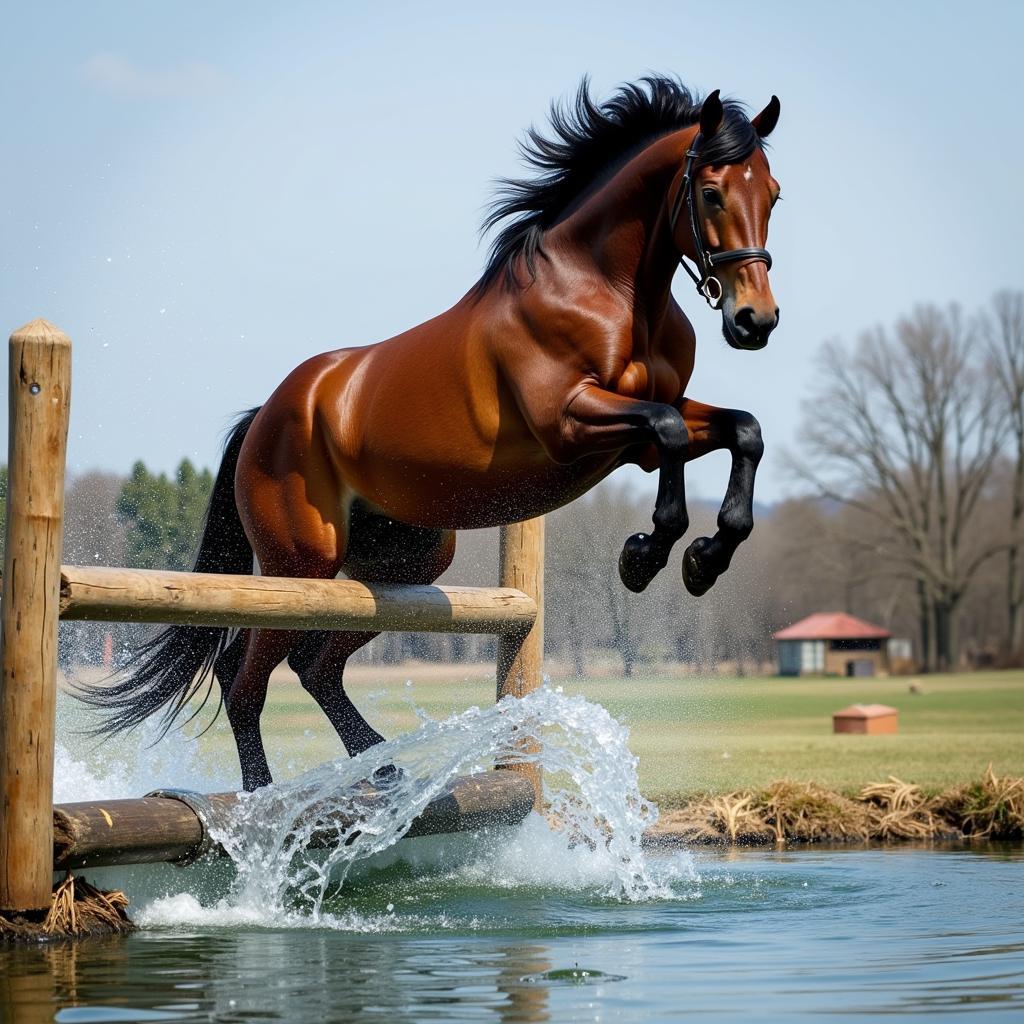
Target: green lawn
x=718, y=735
x=699, y=735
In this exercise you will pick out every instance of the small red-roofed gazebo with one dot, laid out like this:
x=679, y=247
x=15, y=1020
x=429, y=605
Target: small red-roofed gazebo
x=833, y=643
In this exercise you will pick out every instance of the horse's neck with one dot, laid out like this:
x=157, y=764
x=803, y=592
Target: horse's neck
x=623, y=227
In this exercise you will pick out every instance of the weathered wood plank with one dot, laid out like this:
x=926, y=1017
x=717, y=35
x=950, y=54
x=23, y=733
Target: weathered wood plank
x=213, y=599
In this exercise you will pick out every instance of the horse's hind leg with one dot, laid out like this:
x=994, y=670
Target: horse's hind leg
x=293, y=507
x=243, y=671
x=380, y=550
x=710, y=428
x=319, y=659
x=257, y=654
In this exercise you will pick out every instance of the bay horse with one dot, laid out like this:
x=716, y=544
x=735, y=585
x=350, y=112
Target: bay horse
x=567, y=359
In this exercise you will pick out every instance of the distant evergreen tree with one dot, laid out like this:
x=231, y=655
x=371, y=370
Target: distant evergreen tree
x=193, y=495
x=162, y=517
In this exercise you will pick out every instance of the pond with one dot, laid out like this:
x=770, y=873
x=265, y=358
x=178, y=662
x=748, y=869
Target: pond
x=833, y=934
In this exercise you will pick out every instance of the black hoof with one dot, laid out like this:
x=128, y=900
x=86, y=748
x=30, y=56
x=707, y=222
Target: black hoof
x=699, y=575
x=385, y=776
x=640, y=562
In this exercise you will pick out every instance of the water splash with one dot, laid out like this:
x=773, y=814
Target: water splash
x=88, y=769
x=592, y=801
x=589, y=839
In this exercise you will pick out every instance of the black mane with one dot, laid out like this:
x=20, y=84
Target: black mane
x=587, y=140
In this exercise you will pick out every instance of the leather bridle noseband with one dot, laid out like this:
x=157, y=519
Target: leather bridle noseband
x=707, y=284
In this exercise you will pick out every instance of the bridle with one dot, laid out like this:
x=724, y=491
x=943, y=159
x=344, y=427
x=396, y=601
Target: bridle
x=707, y=284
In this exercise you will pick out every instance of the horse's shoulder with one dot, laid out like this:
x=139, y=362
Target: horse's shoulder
x=586, y=308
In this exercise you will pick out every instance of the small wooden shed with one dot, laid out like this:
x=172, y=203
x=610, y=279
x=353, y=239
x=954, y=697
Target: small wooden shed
x=833, y=643
x=867, y=719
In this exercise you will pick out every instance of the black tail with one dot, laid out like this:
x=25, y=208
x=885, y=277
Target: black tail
x=169, y=670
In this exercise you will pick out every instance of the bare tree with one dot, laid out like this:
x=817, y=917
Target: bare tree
x=93, y=535
x=569, y=589
x=1003, y=328
x=903, y=428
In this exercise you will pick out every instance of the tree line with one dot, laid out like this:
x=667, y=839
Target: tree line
x=910, y=458
x=917, y=433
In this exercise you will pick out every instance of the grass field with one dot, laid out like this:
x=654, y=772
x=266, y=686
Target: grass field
x=706, y=735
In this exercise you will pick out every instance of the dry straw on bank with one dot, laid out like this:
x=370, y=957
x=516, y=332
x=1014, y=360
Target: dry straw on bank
x=78, y=909
x=992, y=808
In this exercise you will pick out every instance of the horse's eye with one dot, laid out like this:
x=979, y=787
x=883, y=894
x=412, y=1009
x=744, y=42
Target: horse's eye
x=712, y=197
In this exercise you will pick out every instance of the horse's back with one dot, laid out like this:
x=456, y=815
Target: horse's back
x=442, y=426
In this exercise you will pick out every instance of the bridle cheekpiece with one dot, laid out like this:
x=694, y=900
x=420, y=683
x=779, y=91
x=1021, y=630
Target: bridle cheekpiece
x=704, y=277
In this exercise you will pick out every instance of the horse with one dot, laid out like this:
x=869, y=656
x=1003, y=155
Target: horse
x=567, y=359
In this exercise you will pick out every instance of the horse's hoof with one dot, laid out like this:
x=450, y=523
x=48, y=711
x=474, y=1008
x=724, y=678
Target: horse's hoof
x=386, y=775
x=698, y=575
x=638, y=563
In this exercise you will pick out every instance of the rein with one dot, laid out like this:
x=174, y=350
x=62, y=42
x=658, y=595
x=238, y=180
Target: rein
x=704, y=278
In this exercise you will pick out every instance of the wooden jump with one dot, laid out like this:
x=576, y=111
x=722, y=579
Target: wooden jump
x=35, y=837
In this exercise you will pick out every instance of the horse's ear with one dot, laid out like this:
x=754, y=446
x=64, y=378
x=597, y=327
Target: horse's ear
x=711, y=115
x=766, y=121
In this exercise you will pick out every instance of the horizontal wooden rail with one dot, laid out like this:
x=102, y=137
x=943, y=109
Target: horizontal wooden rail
x=158, y=828
x=212, y=599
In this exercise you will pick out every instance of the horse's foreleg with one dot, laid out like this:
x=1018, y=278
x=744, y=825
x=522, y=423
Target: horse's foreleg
x=711, y=429
x=598, y=420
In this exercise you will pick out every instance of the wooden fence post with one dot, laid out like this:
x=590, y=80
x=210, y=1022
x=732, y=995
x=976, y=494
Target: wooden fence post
x=40, y=394
x=521, y=654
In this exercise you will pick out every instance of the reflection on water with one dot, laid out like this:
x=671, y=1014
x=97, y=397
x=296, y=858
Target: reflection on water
x=820, y=933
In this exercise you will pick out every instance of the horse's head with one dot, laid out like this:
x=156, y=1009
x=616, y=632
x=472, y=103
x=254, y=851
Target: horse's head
x=728, y=204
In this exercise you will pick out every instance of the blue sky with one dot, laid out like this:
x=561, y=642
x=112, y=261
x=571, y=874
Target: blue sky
x=204, y=195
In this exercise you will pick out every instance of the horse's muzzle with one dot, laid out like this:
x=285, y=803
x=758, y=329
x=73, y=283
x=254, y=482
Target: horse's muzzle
x=749, y=330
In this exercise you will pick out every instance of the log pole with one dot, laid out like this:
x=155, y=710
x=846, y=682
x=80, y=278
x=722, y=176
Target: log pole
x=99, y=593
x=521, y=652
x=154, y=829
x=40, y=394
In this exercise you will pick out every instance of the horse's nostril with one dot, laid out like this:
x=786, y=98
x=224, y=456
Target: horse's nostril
x=746, y=319
x=749, y=322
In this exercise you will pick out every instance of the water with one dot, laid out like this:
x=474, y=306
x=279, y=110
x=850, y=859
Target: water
x=541, y=923
x=839, y=934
